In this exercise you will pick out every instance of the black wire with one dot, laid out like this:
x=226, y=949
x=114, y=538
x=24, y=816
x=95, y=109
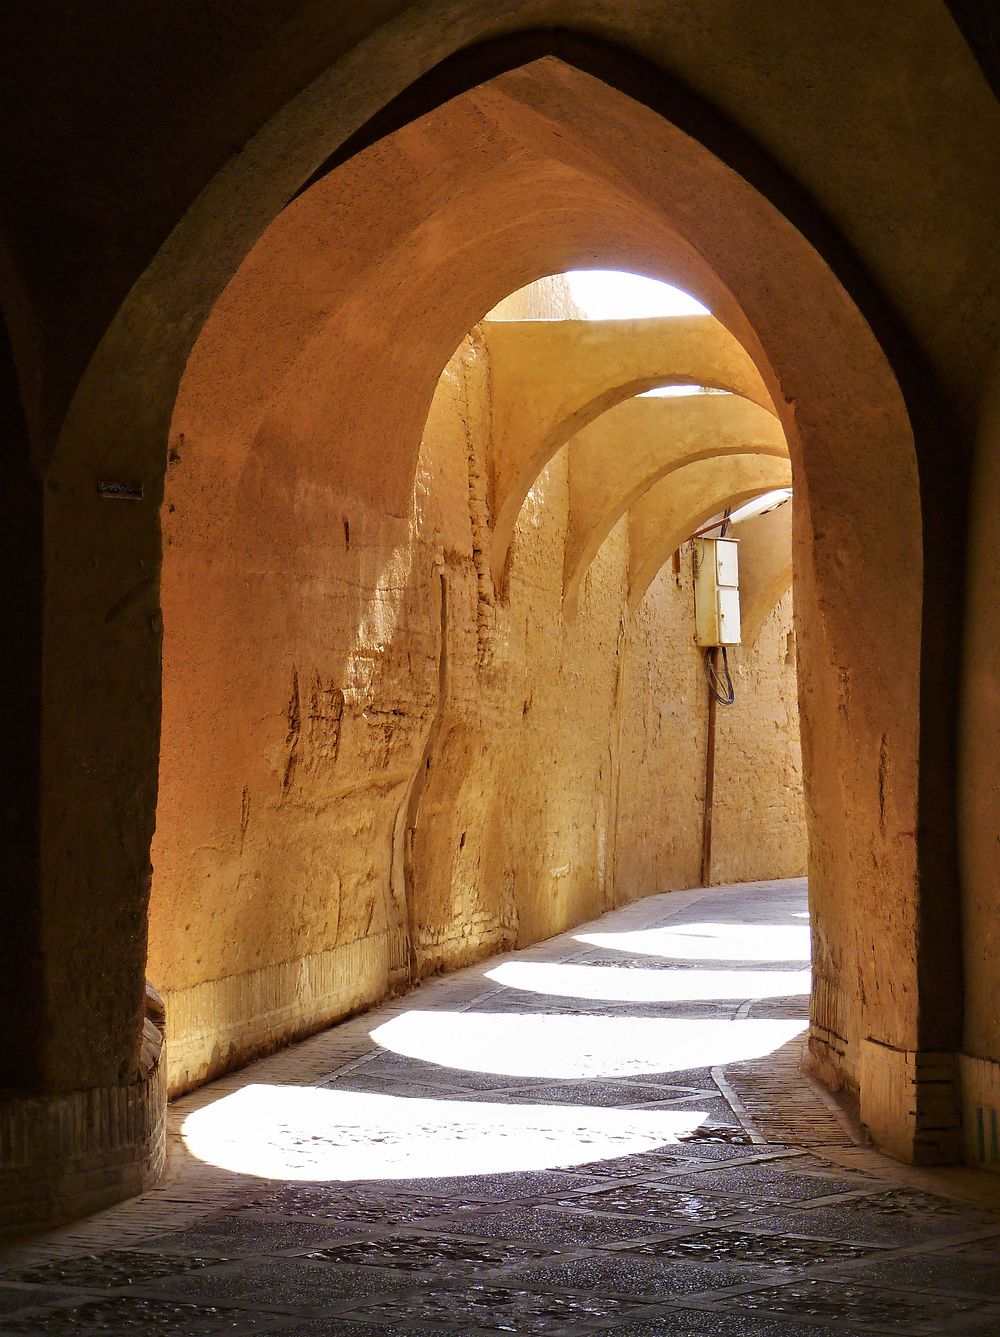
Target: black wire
x=715, y=683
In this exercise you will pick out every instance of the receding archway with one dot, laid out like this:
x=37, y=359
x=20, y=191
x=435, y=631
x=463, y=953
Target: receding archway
x=610, y=362
x=593, y=173
x=629, y=449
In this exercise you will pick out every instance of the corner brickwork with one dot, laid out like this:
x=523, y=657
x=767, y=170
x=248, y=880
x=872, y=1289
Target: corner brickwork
x=67, y=1154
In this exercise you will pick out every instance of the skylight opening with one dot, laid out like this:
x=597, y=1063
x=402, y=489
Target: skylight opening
x=767, y=501
x=678, y=391
x=610, y=294
x=596, y=294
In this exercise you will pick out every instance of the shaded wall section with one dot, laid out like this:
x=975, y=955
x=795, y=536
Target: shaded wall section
x=21, y=958
x=979, y=796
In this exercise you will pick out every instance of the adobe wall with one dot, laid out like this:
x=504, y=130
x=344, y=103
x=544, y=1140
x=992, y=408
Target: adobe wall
x=375, y=765
x=758, y=823
x=758, y=761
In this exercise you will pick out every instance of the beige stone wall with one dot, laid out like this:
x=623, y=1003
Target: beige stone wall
x=375, y=764
x=545, y=299
x=664, y=721
x=758, y=761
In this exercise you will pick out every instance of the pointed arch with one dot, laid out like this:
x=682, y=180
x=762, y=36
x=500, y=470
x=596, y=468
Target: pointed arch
x=351, y=302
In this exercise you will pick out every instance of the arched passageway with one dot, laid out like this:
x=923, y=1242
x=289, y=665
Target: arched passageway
x=265, y=427
x=322, y=356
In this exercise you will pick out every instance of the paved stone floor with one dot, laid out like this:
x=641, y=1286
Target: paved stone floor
x=605, y=1133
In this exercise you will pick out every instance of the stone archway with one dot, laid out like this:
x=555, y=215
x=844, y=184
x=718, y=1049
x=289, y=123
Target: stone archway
x=383, y=322
x=591, y=163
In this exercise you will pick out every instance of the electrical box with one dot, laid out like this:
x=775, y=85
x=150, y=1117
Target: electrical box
x=716, y=592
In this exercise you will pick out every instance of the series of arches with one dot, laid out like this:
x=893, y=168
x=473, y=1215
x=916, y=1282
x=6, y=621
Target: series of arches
x=293, y=326
x=613, y=362
x=389, y=332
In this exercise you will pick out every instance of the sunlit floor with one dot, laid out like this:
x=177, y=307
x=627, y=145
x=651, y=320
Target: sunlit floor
x=596, y=1045
x=553, y=1142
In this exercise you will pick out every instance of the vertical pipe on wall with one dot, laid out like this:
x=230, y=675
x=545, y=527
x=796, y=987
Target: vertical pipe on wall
x=706, y=831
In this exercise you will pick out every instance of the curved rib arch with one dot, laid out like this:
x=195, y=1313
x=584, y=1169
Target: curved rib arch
x=626, y=451
x=669, y=513
x=538, y=407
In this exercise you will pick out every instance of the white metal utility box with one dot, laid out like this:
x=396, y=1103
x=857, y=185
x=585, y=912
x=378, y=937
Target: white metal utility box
x=716, y=592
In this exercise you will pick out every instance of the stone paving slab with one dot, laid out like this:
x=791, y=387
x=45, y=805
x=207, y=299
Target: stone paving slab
x=943, y=1272
x=363, y=1190
x=16, y=1298
x=768, y=1182
x=625, y=1275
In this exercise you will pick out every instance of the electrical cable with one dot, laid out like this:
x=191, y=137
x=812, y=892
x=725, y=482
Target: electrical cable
x=723, y=690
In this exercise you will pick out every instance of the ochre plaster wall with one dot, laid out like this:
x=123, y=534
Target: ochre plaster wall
x=664, y=720
x=758, y=821
x=758, y=762
x=374, y=765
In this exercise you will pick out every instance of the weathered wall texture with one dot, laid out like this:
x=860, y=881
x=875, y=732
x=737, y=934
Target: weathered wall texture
x=375, y=765
x=758, y=826
x=664, y=723
x=758, y=763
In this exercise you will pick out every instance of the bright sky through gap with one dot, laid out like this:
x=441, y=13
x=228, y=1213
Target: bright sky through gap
x=608, y=294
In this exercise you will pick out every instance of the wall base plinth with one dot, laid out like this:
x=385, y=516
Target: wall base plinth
x=827, y=1059
x=223, y=1024
x=67, y=1154
x=980, y=1111
x=910, y=1103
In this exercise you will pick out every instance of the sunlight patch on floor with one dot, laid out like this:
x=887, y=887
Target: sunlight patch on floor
x=582, y=1047
x=310, y=1133
x=710, y=942
x=617, y=984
